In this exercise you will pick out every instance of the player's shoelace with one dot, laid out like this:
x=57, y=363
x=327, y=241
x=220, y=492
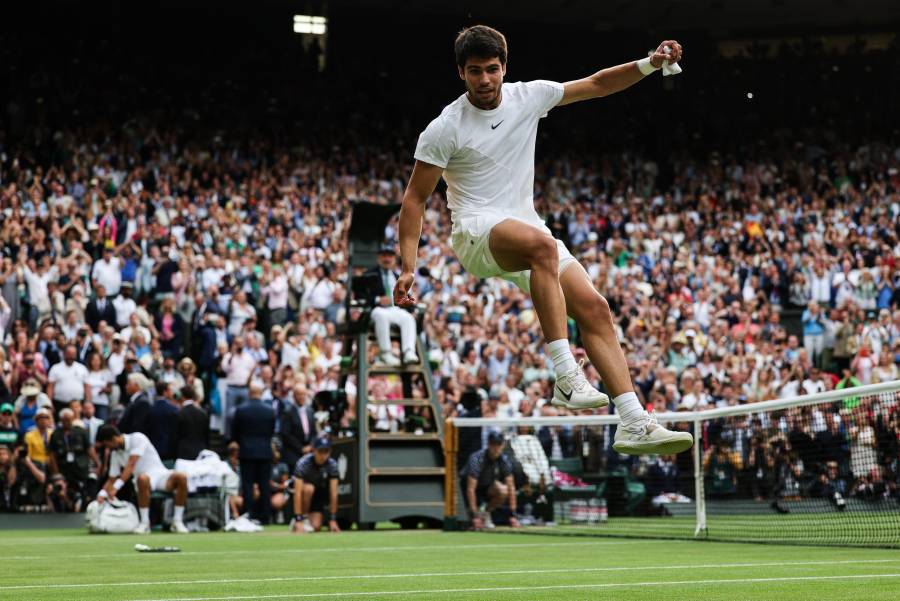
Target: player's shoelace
x=641, y=426
x=577, y=380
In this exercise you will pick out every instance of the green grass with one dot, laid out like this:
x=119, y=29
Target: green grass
x=431, y=565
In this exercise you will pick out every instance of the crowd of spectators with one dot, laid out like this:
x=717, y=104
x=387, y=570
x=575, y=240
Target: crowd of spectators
x=149, y=273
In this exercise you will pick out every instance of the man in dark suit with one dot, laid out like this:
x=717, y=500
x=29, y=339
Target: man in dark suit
x=137, y=412
x=100, y=309
x=162, y=423
x=298, y=427
x=253, y=428
x=193, y=426
x=376, y=286
x=562, y=435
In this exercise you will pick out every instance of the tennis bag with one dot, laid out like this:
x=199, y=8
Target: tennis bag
x=111, y=517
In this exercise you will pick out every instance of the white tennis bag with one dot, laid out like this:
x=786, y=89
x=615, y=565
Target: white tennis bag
x=111, y=517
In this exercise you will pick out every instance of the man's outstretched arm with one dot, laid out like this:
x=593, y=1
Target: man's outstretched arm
x=615, y=79
x=424, y=178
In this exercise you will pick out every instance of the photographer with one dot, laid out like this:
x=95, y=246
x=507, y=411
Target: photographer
x=70, y=456
x=8, y=475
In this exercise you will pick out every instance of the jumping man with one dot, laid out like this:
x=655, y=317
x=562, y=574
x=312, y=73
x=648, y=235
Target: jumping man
x=483, y=145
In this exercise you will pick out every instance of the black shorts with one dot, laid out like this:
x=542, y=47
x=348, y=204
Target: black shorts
x=482, y=494
x=320, y=500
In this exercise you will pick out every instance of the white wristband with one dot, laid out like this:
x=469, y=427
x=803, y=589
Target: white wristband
x=118, y=484
x=645, y=66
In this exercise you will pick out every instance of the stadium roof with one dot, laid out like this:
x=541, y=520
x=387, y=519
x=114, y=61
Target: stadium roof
x=726, y=16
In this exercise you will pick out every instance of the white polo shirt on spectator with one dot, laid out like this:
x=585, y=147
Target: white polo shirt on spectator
x=277, y=292
x=321, y=293
x=68, y=381
x=109, y=274
x=238, y=367
x=124, y=308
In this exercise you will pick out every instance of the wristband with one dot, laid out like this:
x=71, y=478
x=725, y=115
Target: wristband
x=333, y=517
x=645, y=66
x=118, y=484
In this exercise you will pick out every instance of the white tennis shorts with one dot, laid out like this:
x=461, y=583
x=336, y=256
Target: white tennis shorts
x=159, y=478
x=470, y=239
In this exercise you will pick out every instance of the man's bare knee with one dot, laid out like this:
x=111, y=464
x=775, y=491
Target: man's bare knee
x=143, y=481
x=545, y=254
x=600, y=313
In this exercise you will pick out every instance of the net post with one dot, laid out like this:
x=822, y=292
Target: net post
x=451, y=446
x=699, y=492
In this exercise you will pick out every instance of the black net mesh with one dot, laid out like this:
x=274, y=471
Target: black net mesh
x=824, y=473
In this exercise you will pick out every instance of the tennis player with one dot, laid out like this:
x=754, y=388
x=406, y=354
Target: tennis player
x=483, y=146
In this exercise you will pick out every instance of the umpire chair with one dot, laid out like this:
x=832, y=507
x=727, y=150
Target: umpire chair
x=400, y=471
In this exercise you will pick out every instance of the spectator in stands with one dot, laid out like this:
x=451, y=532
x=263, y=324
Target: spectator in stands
x=193, y=426
x=238, y=365
x=488, y=478
x=170, y=326
x=37, y=459
x=814, y=331
x=663, y=477
x=253, y=428
x=100, y=310
x=90, y=422
x=134, y=455
x=316, y=489
x=9, y=432
x=100, y=380
x=297, y=426
x=28, y=404
x=68, y=380
x=137, y=411
x=188, y=371
x=162, y=423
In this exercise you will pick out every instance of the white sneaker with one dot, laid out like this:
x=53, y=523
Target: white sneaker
x=389, y=360
x=307, y=526
x=488, y=522
x=142, y=529
x=178, y=528
x=647, y=437
x=410, y=357
x=573, y=391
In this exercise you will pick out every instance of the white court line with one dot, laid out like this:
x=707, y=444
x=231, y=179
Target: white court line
x=498, y=589
x=451, y=574
x=123, y=555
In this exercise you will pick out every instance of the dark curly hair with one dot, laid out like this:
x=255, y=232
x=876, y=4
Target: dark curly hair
x=479, y=41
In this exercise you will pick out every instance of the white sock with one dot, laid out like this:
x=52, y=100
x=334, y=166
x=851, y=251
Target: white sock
x=179, y=514
x=145, y=515
x=628, y=407
x=561, y=354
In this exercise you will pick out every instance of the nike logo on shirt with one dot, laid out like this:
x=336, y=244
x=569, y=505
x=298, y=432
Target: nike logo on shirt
x=498, y=125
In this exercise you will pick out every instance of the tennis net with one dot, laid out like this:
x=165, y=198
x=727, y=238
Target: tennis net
x=816, y=469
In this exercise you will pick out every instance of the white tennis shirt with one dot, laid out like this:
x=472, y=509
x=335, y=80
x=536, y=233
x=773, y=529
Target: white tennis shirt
x=136, y=444
x=488, y=155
